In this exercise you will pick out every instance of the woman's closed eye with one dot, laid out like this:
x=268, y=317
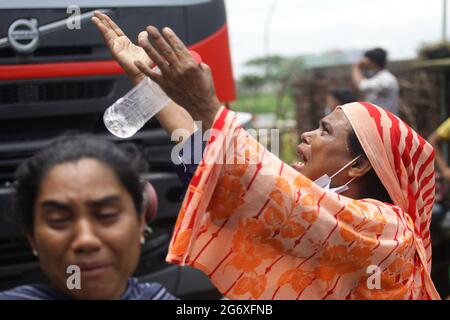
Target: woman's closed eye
x=58, y=218
x=325, y=128
x=108, y=214
x=106, y=209
x=56, y=213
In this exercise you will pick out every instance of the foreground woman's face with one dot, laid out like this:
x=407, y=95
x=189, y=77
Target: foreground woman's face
x=85, y=217
x=325, y=150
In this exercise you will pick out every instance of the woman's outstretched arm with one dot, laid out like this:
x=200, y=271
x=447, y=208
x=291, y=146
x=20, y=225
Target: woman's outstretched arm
x=173, y=116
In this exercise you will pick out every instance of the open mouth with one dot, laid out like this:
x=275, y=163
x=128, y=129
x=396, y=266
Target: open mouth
x=302, y=161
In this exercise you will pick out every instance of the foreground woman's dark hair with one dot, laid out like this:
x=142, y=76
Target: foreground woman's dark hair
x=66, y=149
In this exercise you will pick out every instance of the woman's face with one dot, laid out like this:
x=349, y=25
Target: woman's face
x=85, y=217
x=325, y=150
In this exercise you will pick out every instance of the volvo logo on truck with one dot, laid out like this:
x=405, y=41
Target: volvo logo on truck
x=23, y=35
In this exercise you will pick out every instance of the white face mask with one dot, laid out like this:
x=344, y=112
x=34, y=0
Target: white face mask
x=325, y=180
x=369, y=73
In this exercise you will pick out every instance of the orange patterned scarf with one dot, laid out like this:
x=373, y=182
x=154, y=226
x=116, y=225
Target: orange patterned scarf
x=261, y=230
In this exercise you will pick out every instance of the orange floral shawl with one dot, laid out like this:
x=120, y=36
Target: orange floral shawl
x=261, y=230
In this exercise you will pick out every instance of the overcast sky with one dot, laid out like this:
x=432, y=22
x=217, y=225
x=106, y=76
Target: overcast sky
x=316, y=26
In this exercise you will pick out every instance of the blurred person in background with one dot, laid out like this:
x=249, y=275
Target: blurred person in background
x=441, y=212
x=339, y=97
x=81, y=204
x=378, y=84
x=437, y=138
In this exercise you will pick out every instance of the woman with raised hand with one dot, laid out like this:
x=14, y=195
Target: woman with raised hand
x=350, y=220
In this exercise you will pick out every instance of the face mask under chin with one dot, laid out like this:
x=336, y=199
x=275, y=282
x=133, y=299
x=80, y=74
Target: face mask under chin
x=325, y=180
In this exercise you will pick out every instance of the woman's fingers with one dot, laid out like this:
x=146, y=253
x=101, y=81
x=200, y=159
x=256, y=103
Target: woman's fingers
x=109, y=23
x=163, y=47
x=177, y=45
x=151, y=52
x=102, y=23
x=107, y=34
x=99, y=24
x=100, y=16
x=155, y=76
x=113, y=25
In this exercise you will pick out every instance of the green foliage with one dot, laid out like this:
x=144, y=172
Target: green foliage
x=266, y=87
x=289, y=141
x=262, y=103
x=251, y=81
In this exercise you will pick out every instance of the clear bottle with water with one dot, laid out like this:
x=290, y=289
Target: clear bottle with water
x=129, y=114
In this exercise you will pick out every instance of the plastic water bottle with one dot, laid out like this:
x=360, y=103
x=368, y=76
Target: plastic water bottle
x=130, y=113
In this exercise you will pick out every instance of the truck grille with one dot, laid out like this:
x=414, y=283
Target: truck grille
x=15, y=251
x=54, y=91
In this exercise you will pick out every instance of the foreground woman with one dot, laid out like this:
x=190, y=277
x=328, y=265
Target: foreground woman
x=81, y=204
x=261, y=229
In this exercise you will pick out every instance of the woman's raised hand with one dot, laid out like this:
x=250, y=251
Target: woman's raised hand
x=185, y=81
x=122, y=49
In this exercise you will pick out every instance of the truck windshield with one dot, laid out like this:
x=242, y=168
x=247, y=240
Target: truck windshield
x=27, y=4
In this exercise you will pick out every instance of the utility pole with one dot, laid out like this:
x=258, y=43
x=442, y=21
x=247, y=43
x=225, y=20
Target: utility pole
x=444, y=113
x=267, y=25
x=444, y=21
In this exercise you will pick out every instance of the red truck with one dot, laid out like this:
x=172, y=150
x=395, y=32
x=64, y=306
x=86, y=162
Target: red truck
x=57, y=76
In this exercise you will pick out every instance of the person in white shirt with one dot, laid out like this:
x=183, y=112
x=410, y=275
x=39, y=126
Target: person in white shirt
x=378, y=85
